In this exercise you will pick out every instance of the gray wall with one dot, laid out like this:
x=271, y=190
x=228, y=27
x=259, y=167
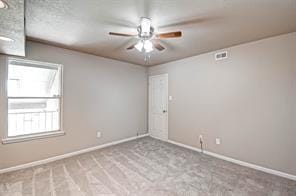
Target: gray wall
x=248, y=100
x=99, y=94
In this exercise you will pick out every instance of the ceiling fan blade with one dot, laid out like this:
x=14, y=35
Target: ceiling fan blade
x=131, y=47
x=169, y=35
x=158, y=46
x=192, y=21
x=121, y=34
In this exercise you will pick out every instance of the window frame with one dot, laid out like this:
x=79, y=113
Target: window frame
x=26, y=137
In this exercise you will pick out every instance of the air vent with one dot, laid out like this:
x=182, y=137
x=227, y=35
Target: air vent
x=221, y=55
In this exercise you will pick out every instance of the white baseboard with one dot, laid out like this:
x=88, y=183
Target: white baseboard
x=59, y=157
x=242, y=163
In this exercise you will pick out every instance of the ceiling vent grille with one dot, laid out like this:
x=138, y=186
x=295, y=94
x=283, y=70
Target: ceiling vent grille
x=221, y=55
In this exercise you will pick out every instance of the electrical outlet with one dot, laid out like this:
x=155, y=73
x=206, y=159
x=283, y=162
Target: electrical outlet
x=99, y=134
x=170, y=98
x=218, y=141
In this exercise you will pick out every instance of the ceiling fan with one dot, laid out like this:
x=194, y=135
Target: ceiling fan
x=147, y=37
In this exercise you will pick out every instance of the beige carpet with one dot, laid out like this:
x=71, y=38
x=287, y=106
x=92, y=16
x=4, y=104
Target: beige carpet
x=143, y=167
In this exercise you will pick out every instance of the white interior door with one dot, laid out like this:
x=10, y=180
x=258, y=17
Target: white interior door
x=158, y=106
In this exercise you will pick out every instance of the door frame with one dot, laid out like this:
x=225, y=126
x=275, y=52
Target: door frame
x=166, y=75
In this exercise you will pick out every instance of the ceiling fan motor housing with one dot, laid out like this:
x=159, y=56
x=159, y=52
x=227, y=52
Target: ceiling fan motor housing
x=145, y=35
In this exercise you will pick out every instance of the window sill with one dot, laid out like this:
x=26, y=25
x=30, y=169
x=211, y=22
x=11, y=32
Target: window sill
x=32, y=137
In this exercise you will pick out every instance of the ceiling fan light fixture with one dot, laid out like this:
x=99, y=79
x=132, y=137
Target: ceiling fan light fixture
x=144, y=46
x=148, y=46
x=139, y=46
x=3, y=4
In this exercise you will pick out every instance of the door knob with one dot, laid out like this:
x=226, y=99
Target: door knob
x=164, y=111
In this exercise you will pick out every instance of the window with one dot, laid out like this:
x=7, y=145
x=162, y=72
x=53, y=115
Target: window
x=34, y=97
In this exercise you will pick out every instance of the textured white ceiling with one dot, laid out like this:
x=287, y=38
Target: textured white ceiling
x=12, y=26
x=207, y=25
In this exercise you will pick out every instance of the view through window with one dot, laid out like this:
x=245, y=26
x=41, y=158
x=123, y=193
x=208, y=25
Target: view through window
x=34, y=97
